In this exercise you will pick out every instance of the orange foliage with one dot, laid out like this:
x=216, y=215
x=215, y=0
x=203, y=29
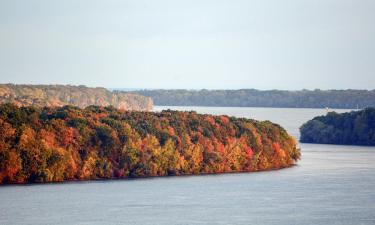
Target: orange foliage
x=219, y=147
x=279, y=151
x=208, y=145
x=48, y=137
x=249, y=152
x=171, y=131
x=224, y=119
x=210, y=119
x=69, y=143
x=68, y=136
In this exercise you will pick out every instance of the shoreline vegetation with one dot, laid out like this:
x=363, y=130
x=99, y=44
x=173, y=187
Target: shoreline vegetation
x=351, y=128
x=339, y=99
x=80, y=96
x=146, y=177
x=55, y=144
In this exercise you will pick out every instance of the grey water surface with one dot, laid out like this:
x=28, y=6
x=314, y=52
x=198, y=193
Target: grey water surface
x=331, y=185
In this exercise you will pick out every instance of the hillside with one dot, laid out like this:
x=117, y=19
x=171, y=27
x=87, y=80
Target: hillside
x=349, y=99
x=353, y=128
x=81, y=96
x=69, y=143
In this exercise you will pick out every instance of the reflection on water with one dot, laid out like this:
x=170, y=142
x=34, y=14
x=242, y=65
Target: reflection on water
x=330, y=185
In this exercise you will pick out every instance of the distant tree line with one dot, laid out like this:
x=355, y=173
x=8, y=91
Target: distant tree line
x=81, y=96
x=255, y=98
x=353, y=128
x=69, y=143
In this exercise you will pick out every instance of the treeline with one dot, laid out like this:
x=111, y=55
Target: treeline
x=349, y=99
x=81, y=96
x=353, y=128
x=69, y=143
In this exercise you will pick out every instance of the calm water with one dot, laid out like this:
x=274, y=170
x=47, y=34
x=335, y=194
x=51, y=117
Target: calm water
x=331, y=185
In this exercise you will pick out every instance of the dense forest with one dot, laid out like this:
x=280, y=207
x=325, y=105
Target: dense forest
x=53, y=144
x=81, y=96
x=350, y=99
x=353, y=128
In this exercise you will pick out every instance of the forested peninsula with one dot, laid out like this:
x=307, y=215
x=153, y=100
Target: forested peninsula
x=54, y=144
x=340, y=99
x=81, y=96
x=352, y=128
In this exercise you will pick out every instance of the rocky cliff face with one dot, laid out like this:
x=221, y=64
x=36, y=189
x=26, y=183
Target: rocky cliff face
x=81, y=96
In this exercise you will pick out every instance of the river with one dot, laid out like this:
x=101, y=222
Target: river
x=330, y=185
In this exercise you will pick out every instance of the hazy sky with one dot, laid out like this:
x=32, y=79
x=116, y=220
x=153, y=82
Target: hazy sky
x=264, y=44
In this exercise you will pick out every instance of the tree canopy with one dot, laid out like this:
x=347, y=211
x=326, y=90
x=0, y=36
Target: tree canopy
x=353, y=128
x=81, y=96
x=68, y=143
x=347, y=99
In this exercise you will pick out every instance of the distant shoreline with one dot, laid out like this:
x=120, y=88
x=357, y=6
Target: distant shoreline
x=144, y=178
x=270, y=107
x=338, y=99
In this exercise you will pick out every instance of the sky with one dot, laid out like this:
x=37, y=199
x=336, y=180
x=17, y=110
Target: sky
x=190, y=44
